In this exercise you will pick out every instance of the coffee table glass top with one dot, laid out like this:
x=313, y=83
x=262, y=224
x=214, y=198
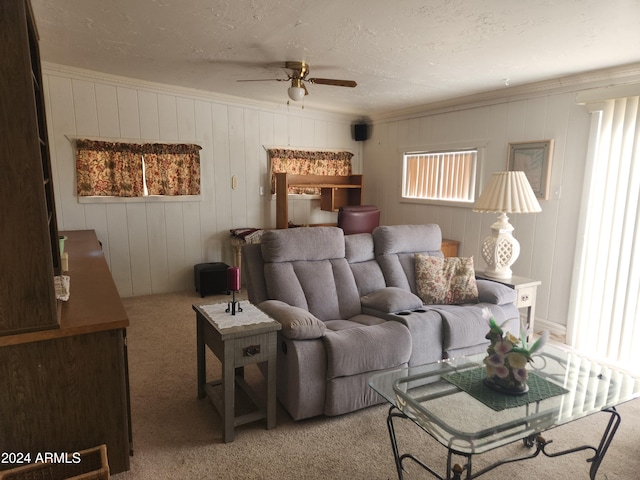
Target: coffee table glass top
x=464, y=424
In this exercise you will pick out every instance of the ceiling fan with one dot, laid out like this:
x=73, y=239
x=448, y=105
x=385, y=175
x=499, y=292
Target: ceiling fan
x=298, y=77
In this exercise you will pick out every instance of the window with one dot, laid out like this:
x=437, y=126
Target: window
x=442, y=176
x=604, y=312
x=118, y=169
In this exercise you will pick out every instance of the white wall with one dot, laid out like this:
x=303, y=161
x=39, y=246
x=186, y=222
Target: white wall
x=547, y=239
x=151, y=246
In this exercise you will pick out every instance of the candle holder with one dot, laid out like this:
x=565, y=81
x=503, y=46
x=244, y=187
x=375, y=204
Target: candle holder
x=233, y=305
x=233, y=285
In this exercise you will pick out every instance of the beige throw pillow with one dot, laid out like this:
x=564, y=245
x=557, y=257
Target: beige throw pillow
x=445, y=281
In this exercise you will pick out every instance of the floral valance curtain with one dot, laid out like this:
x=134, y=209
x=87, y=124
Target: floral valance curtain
x=116, y=169
x=108, y=169
x=173, y=169
x=304, y=162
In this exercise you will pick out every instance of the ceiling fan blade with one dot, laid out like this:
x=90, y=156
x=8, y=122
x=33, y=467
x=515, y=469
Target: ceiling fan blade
x=266, y=80
x=329, y=81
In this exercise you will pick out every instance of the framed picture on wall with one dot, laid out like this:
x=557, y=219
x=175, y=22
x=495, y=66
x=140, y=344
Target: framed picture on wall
x=534, y=159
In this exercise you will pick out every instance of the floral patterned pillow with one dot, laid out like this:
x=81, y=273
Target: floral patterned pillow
x=445, y=281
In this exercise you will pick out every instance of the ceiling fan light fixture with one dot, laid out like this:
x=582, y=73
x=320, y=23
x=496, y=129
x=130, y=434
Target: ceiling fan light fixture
x=298, y=78
x=296, y=90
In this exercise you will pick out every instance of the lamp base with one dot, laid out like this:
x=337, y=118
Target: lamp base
x=500, y=250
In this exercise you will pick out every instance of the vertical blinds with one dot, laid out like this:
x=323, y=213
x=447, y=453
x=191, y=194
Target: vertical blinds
x=605, y=311
x=442, y=176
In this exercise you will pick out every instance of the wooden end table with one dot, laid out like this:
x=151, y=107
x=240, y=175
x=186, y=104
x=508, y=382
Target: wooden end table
x=248, y=337
x=526, y=291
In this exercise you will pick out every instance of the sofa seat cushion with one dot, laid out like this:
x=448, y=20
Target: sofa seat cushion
x=466, y=326
x=354, y=322
x=366, y=349
x=337, y=325
x=463, y=326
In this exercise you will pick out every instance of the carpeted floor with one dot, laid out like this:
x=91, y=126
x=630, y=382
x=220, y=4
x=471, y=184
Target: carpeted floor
x=177, y=436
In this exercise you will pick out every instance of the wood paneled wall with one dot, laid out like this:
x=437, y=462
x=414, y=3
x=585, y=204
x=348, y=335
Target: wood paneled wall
x=151, y=246
x=547, y=239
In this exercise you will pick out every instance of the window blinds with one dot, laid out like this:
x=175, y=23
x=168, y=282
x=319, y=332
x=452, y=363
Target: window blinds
x=440, y=176
x=604, y=310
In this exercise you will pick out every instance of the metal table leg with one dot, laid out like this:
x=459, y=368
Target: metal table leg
x=455, y=471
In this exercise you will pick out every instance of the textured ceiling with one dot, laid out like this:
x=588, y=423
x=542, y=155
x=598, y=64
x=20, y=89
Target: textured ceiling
x=401, y=53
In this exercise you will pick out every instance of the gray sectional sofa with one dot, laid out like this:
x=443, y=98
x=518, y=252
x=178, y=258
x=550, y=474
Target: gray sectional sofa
x=348, y=308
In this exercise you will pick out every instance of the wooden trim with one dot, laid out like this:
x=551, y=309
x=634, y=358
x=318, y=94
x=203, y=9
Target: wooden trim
x=328, y=181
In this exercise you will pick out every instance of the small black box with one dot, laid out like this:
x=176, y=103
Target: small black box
x=210, y=278
x=361, y=132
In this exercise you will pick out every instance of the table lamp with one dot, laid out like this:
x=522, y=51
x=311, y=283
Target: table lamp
x=506, y=192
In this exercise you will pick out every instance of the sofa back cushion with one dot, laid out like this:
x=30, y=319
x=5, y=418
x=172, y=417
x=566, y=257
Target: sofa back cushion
x=303, y=243
x=362, y=260
x=306, y=267
x=395, y=247
x=253, y=273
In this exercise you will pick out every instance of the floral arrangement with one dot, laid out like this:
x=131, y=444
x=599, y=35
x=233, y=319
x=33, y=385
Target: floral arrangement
x=507, y=359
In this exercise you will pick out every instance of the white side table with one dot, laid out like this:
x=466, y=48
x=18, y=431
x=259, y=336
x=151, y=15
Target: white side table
x=526, y=290
x=246, y=338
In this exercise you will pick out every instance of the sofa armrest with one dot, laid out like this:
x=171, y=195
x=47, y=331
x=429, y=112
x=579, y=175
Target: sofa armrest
x=494, y=292
x=391, y=300
x=297, y=323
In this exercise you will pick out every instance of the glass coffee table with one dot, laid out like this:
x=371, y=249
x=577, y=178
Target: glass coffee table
x=449, y=401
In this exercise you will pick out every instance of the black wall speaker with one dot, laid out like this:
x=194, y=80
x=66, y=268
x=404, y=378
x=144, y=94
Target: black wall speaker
x=361, y=132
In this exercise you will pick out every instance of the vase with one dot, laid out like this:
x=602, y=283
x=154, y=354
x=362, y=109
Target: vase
x=62, y=239
x=514, y=383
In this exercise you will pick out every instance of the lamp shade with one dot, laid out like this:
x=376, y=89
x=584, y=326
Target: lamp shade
x=508, y=192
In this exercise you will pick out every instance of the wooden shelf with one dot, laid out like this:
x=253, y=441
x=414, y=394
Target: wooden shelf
x=63, y=366
x=28, y=220
x=335, y=191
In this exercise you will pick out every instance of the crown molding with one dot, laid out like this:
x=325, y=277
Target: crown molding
x=598, y=95
x=94, y=76
x=596, y=79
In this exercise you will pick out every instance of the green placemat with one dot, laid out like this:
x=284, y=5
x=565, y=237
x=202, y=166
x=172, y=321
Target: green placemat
x=471, y=381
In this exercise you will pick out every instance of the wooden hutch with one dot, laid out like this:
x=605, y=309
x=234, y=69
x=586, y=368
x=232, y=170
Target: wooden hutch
x=336, y=191
x=63, y=365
